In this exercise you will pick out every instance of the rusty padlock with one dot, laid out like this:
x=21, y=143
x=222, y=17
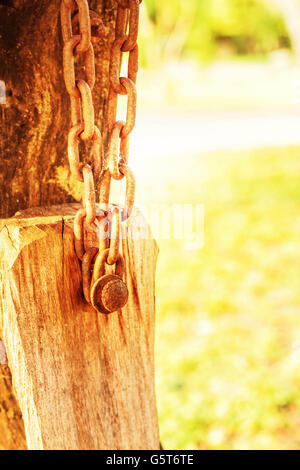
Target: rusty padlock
x=108, y=291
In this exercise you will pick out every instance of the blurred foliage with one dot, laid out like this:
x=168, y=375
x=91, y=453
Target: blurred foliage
x=204, y=29
x=228, y=316
x=227, y=343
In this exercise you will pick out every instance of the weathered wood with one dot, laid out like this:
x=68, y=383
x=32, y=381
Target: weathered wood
x=83, y=380
x=34, y=122
x=12, y=434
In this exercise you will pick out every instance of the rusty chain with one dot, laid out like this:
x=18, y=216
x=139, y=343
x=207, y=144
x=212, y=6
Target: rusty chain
x=118, y=146
x=81, y=28
x=82, y=109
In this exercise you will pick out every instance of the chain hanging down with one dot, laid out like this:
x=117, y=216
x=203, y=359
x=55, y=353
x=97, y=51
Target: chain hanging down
x=82, y=109
x=118, y=146
x=107, y=293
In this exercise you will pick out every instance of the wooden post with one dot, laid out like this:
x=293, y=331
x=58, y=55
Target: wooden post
x=34, y=122
x=83, y=380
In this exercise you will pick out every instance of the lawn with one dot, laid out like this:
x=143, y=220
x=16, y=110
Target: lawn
x=228, y=315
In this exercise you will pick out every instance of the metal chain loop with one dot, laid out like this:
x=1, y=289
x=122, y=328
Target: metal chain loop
x=79, y=233
x=67, y=8
x=73, y=152
x=69, y=66
x=98, y=29
x=89, y=196
x=121, y=22
x=102, y=230
x=86, y=268
x=101, y=260
x=113, y=253
x=130, y=190
x=115, y=65
x=131, y=105
x=114, y=159
x=88, y=114
x=134, y=9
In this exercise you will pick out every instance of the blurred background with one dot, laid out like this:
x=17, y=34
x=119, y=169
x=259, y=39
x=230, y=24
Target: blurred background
x=219, y=124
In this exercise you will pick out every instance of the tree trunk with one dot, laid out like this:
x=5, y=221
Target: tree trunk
x=36, y=118
x=34, y=123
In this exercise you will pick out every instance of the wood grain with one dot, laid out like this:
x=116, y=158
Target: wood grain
x=83, y=380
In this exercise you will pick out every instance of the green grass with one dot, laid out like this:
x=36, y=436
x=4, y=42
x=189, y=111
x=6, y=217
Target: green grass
x=228, y=329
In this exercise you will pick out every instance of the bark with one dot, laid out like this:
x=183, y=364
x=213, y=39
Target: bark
x=36, y=117
x=34, y=124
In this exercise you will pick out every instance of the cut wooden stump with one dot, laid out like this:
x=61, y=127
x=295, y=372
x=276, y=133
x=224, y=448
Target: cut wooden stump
x=83, y=380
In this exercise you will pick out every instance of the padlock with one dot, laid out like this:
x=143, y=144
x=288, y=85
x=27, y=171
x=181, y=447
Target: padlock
x=108, y=292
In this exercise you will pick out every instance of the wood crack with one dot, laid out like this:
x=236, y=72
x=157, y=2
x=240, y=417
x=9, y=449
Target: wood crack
x=9, y=237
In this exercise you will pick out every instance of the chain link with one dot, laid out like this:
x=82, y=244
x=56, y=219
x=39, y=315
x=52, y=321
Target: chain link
x=67, y=8
x=113, y=253
x=86, y=268
x=98, y=30
x=99, y=266
x=89, y=196
x=114, y=156
x=134, y=9
x=114, y=73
